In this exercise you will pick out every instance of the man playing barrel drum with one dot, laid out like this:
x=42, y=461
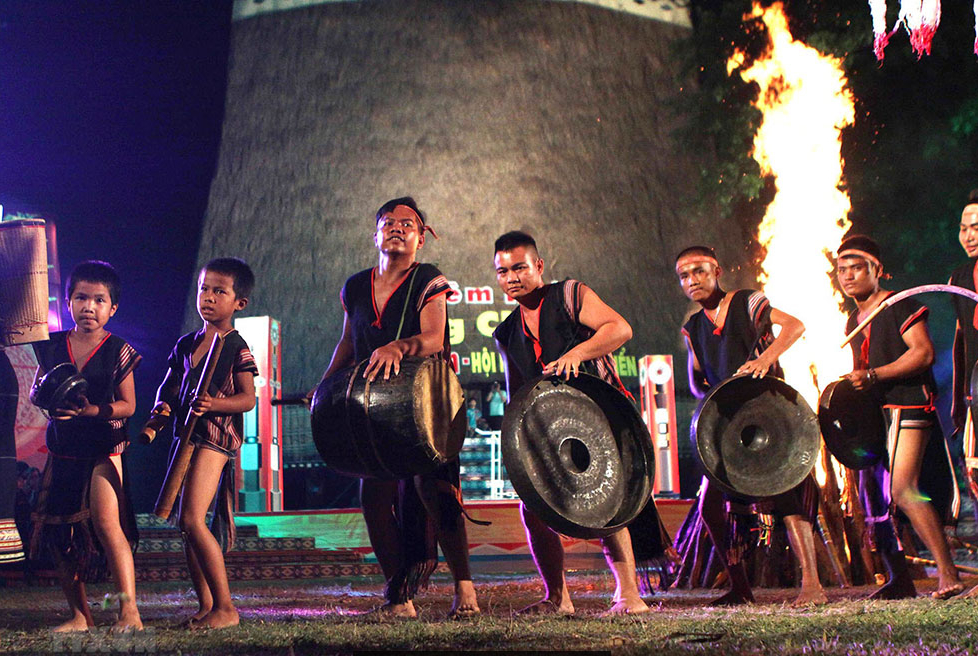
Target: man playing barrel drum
x=731, y=335
x=393, y=310
x=561, y=328
x=892, y=360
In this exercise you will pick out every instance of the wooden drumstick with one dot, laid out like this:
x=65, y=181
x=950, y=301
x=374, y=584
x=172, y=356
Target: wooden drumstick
x=177, y=471
x=933, y=563
x=906, y=293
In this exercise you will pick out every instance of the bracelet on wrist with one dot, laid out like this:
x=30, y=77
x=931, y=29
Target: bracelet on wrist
x=872, y=376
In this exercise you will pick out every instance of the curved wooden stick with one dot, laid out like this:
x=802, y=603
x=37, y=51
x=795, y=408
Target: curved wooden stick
x=177, y=471
x=906, y=293
x=933, y=563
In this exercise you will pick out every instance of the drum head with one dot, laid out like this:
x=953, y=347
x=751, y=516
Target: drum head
x=578, y=454
x=59, y=387
x=391, y=429
x=439, y=408
x=755, y=437
x=852, y=424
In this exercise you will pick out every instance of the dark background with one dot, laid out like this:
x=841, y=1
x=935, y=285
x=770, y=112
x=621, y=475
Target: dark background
x=111, y=115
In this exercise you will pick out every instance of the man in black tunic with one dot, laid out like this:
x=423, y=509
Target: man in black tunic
x=966, y=338
x=892, y=360
x=562, y=329
x=731, y=335
x=393, y=310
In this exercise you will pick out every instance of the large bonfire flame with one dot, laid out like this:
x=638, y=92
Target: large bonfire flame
x=805, y=103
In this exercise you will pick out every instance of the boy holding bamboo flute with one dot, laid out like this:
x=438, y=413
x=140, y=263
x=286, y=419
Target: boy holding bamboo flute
x=224, y=285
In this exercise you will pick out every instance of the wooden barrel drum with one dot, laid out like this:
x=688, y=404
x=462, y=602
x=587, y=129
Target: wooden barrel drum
x=390, y=429
x=23, y=282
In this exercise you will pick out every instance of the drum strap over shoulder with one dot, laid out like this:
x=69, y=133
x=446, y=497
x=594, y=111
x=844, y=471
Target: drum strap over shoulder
x=407, y=301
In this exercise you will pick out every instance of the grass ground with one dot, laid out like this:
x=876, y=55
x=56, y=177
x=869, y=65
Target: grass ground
x=325, y=617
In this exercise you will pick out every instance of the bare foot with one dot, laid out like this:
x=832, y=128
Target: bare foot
x=810, y=597
x=188, y=622
x=626, y=607
x=128, y=621
x=406, y=610
x=463, y=611
x=734, y=598
x=946, y=591
x=76, y=623
x=465, y=604
x=217, y=619
x=547, y=607
x=898, y=588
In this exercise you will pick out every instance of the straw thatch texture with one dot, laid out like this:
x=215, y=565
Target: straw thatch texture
x=556, y=118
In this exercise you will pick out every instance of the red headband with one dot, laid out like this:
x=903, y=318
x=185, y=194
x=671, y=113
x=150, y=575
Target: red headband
x=855, y=252
x=695, y=258
x=405, y=212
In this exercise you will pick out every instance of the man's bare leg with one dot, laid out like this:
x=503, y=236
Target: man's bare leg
x=548, y=554
x=621, y=561
x=802, y=541
x=715, y=520
x=105, y=494
x=377, y=500
x=455, y=547
x=922, y=515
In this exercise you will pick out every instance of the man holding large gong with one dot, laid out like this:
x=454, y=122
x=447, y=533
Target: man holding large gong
x=731, y=334
x=562, y=329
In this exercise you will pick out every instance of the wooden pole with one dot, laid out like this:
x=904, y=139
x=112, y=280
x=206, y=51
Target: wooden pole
x=177, y=471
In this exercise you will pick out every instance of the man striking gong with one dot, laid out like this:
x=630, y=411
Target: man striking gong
x=562, y=328
x=730, y=335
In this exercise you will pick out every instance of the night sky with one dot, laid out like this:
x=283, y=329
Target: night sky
x=111, y=119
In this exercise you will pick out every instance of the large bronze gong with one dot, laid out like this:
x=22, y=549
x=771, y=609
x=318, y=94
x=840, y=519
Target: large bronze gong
x=578, y=454
x=755, y=437
x=852, y=424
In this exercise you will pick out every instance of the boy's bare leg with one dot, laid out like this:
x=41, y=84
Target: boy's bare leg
x=715, y=520
x=548, y=554
x=198, y=492
x=377, y=499
x=105, y=495
x=455, y=546
x=81, y=616
x=802, y=541
x=621, y=559
x=205, y=600
x=906, y=472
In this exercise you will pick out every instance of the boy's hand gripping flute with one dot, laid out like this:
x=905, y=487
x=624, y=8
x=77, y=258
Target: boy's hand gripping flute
x=180, y=463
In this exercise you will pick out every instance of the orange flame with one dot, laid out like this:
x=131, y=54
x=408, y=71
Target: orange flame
x=805, y=102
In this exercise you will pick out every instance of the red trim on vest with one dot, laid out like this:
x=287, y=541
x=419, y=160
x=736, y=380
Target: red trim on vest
x=537, y=347
x=373, y=299
x=71, y=356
